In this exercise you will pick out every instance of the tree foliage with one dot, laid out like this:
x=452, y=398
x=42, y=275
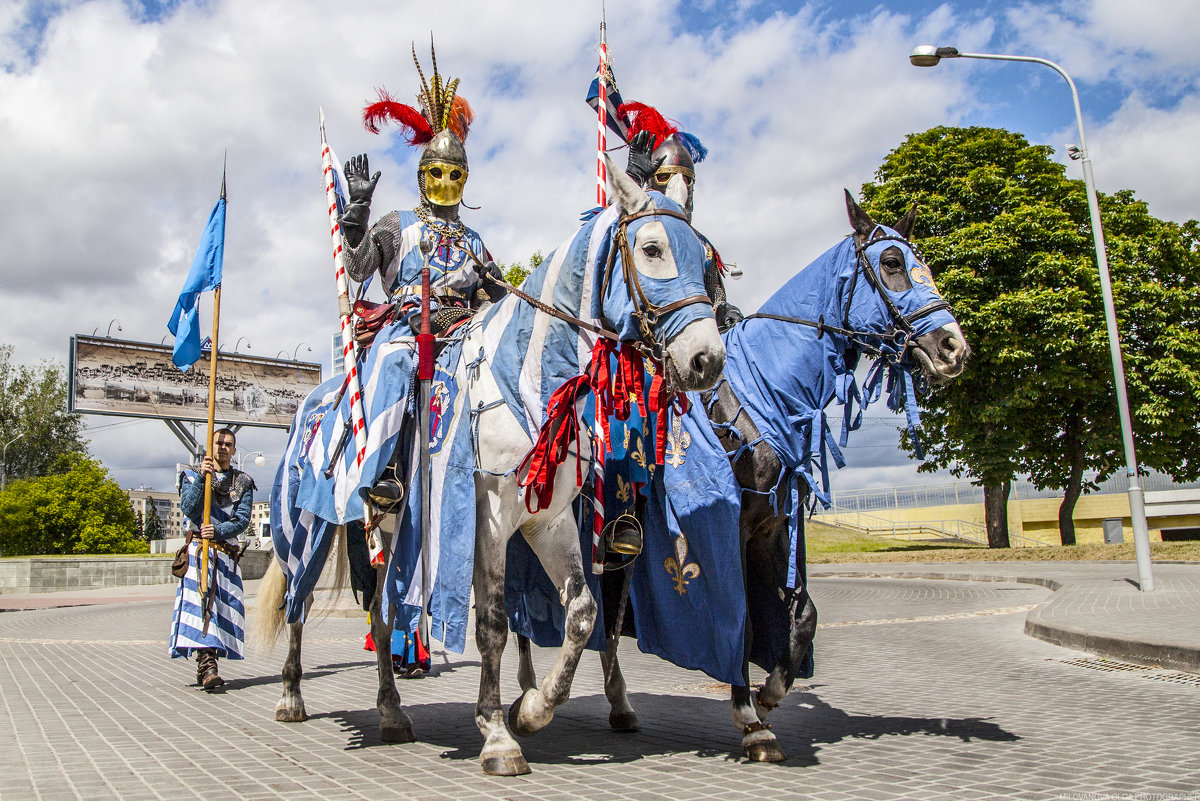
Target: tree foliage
x=33, y=406
x=1008, y=238
x=82, y=510
x=516, y=273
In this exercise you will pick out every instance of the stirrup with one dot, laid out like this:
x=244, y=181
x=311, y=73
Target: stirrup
x=386, y=494
x=620, y=542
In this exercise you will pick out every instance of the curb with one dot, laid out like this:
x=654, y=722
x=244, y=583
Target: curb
x=1147, y=651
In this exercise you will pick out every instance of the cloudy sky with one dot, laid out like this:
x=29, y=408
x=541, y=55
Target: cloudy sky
x=116, y=116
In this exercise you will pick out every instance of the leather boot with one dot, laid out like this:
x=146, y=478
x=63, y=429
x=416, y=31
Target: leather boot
x=386, y=494
x=206, y=669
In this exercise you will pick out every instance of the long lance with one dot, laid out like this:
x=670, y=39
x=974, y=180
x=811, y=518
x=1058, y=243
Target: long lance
x=425, y=367
x=602, y=199
x=206, y=516
x=349, y=346
x=601, y=111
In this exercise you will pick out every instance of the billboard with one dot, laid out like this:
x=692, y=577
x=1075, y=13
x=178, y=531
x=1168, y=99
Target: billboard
x=138, y=379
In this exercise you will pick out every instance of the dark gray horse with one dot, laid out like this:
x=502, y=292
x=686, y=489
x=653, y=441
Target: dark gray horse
x=869, y=294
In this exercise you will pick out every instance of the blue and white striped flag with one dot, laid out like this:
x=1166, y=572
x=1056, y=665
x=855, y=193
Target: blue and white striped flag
x=612, y=101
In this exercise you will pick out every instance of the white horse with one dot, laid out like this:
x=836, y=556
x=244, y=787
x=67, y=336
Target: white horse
x=635, y=270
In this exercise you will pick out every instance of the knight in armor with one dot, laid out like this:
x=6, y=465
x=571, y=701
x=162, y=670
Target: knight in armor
x=210, y=626
x=391, y=246
x=460, y=265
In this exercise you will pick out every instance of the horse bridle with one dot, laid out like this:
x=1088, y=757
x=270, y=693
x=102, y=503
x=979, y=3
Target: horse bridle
x=644, y=311
x=900, y=336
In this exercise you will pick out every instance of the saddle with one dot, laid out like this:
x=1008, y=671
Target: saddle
x=369, y=318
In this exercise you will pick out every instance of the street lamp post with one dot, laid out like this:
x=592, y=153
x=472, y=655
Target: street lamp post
x=4, y=466
x=929, y=56
x=237, y=344
x=259, y=458
x=297, y=350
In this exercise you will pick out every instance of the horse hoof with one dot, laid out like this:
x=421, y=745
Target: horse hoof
x=764, y=752
x=518, y=728
x=505, y=765
x=397, y=734
x=289, y=715
x=623, y=721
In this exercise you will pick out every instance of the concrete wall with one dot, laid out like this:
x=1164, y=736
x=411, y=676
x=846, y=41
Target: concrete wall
x=85, y=573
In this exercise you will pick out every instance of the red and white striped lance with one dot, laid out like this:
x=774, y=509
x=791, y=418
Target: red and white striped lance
x=599, y=445
x=349, y=346
x=601, y=109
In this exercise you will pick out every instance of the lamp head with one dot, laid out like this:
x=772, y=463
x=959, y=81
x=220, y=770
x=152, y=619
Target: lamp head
x=260, y=460
x=930, y=55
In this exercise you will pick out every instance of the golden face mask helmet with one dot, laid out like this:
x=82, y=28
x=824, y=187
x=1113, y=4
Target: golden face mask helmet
x=442, y=183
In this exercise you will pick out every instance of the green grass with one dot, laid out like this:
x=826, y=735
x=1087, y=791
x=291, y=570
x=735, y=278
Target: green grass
x=826, y=544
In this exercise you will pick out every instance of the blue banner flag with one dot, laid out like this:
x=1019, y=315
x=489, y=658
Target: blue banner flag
x=204, y=275
x=612, y=101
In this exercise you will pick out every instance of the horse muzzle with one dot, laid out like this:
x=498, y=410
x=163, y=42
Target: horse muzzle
x=695, y=358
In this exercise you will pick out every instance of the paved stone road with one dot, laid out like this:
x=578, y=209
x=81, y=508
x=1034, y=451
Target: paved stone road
x=923, y=690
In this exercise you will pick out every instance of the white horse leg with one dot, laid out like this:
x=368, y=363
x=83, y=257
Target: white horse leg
x=501, y=756
x=290, y=708
x=394, y=725
x=557, y=547
x=526, y=675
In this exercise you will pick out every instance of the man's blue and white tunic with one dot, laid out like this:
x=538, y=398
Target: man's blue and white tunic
x=230, y=517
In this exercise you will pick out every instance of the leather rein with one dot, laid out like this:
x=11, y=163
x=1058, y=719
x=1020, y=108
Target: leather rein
x=900, y=334
x=646, y=313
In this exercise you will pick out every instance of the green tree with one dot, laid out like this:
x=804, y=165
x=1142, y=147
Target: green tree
x=33, y=406
x=82, y=510
x=516, y=273
x=153, y=527
x=1008, y=238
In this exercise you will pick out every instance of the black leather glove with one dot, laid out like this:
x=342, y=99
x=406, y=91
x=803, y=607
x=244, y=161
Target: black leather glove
x=641, y=166
x=493, y=290
x=360, y=185
x=728, y=316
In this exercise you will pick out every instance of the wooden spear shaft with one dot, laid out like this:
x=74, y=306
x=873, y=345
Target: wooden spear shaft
x=206, y=545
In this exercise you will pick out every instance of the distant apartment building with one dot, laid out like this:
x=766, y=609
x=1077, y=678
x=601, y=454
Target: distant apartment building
x=163, y=504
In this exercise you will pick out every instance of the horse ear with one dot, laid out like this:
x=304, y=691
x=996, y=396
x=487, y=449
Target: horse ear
x=626, y=193
x=860, y=221
x=904, y=226
x=677, y=190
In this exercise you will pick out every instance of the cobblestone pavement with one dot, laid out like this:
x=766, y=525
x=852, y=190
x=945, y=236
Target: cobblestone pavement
x=923, y=689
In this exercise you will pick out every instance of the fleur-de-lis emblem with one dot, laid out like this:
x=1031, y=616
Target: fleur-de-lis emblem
x=623, y=489
x=628, y=434
x=920, y=274
x=678, y=441
x=638, y=455
x=679, y=568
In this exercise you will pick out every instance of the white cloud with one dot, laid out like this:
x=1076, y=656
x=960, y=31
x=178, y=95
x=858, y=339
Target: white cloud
x=116, y=131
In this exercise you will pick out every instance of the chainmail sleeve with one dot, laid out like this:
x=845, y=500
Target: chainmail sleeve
x=376, y=250
x=713, y=285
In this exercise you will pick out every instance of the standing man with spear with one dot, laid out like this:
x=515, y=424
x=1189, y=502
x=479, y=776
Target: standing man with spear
x=209, y=615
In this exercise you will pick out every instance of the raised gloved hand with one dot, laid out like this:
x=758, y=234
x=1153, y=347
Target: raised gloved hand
x=493, y=290
x=728, y=316
x=641, y=166
x=360, y=185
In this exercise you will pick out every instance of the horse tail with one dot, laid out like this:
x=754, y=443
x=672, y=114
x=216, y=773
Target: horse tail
x=339, y=561
x=267, y=621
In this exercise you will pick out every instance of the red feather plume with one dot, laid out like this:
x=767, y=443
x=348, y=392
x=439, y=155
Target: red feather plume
x=647, y=118
x=414, y=127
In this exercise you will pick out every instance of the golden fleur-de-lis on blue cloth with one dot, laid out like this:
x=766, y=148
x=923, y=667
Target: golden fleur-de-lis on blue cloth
x=624, y=489
x=678, y=442
x=679, y=568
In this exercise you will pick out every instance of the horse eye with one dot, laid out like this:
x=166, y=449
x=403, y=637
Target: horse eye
x=652, y=251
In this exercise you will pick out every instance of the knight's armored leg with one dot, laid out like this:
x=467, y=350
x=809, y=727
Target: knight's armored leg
x=388, y=491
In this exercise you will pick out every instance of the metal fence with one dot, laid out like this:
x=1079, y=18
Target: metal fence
x=959, y=492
